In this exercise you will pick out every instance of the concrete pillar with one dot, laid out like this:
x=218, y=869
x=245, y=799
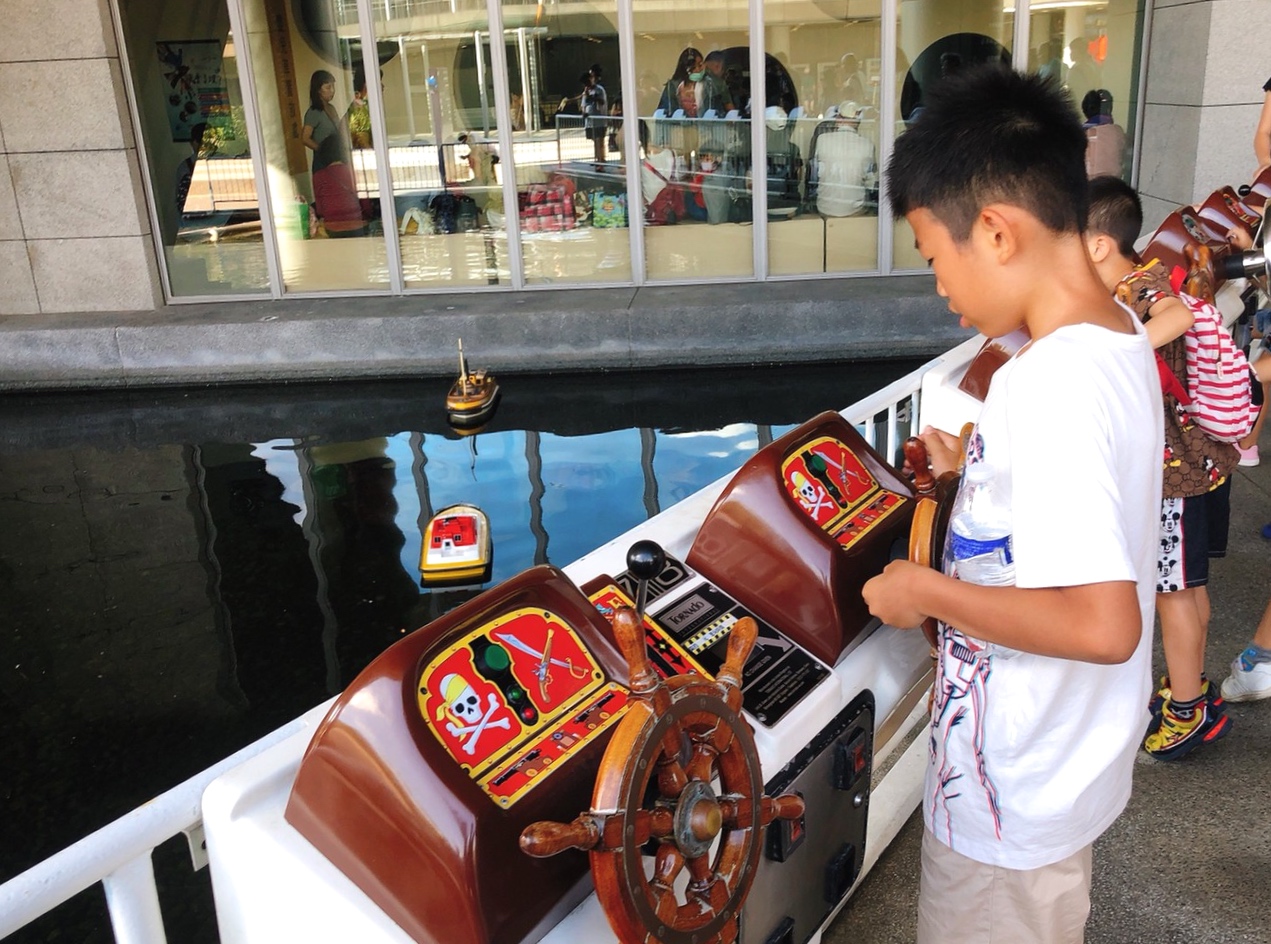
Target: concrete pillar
x=1203, y=95
x=74, y=230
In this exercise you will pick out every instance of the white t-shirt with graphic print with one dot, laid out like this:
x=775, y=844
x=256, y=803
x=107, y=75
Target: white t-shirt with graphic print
x=1031, y=756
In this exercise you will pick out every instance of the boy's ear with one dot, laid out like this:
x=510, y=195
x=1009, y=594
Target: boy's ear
x=999, y=227
x=1099, y=246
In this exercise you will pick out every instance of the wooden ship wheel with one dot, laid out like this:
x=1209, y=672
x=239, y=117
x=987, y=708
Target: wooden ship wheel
x=934, y=502
x=676, y=827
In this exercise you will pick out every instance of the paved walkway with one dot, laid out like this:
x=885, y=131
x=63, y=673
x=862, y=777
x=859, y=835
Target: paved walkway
x=1190, y=859
x=786, y=322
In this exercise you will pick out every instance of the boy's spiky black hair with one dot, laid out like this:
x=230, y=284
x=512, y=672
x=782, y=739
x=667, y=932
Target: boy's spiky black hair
x=1115, y=211
x=992, y=135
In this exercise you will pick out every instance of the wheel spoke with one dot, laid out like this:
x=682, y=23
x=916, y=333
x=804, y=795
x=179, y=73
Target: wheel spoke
x=704, y=888
x=699, y=871
x=667, y=865
x=671, y=777
x=661, y=823
x=737, y=811
x=702, y=764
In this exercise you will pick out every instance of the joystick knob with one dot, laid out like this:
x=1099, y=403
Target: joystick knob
x=645, y=560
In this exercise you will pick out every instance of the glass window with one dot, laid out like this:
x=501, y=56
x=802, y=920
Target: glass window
x=823, y=164
x=324, y=187
x=567, y=100
x=185, y=75
x=693, y=101
x=936, y=38
x=439, y=113
x=1093, y=50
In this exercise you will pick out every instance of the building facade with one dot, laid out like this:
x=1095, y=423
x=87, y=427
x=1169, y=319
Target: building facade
x=162, y=153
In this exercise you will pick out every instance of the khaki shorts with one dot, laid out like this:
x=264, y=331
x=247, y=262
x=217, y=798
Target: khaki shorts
x=961, y=901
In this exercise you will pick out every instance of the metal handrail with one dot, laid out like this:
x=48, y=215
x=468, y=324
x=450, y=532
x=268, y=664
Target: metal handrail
x=119, y=854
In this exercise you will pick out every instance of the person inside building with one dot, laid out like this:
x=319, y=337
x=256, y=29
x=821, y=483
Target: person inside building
x=852, y=83
x=680, y=91
x=663, y=200
x=1083, y=74
x=593, y=105
x=1106, y=142
x=718, y=96
x=334, y=188
x=841, y=167
x=358, y=116
x=1045, y=658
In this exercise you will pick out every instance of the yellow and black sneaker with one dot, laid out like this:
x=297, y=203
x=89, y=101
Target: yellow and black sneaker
x=1172, y=735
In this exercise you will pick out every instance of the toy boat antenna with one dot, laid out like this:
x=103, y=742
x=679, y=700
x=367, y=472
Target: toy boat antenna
x=463, y=365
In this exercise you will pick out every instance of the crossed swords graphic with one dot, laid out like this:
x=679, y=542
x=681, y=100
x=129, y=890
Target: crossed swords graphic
x=542, y=671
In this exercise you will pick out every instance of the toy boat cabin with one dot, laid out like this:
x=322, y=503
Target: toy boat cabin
x=457, y=546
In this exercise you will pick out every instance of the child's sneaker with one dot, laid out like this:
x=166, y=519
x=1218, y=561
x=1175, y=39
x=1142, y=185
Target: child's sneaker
x=1162, y=694
x=1249, y=457
x=1249, y=680
x=1172, y=737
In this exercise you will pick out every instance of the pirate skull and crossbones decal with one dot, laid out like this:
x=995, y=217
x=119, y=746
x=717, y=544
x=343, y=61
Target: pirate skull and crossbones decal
x=810, y=495
x=467, y=719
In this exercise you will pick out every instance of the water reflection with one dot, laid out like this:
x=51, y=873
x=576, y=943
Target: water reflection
x=183, y=571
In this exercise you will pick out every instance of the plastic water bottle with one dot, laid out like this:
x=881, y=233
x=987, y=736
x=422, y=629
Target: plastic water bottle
x=980, y=531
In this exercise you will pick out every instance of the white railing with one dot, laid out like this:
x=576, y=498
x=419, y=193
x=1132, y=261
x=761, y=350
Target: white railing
x=119, y=855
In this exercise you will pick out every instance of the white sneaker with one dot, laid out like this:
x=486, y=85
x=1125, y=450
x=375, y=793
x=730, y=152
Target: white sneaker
x=1248, y=681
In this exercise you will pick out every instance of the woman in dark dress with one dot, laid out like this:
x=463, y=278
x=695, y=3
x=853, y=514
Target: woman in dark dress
x=334, y=189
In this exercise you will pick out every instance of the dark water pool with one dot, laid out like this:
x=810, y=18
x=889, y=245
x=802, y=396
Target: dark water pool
x=183, y=571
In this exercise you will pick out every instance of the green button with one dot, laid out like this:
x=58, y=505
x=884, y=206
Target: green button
x=496, y=657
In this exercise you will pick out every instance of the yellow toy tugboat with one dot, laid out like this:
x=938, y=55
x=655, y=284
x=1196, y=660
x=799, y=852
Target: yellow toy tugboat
x=472, y=397
x=457, y=547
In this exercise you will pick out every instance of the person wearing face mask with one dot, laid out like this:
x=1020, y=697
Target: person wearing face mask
x=680, y=95
x=708, y=200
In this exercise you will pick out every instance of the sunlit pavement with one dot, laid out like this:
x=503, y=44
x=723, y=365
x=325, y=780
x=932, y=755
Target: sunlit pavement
x=1190, y=859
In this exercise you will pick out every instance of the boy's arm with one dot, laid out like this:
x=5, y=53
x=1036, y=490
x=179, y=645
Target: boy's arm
x=1169, y=319
x=1096, y=622
x=1148, y=292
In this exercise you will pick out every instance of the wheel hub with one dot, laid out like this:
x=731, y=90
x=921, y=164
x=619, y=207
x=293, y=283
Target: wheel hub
x=698, y=819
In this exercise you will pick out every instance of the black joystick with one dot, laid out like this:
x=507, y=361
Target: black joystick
x=645, y=560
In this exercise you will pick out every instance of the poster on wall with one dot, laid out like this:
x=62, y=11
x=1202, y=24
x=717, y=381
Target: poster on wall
x=194, y=84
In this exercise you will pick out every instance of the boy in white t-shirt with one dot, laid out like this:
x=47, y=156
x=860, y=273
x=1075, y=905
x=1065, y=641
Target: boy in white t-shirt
x=1041, y=687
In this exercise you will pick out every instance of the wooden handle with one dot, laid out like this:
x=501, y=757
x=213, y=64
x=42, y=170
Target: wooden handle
x=741, y=640
x=916, y=455
x=921, y=536
x=789, y=806
x=630, y=635
x=543, y=839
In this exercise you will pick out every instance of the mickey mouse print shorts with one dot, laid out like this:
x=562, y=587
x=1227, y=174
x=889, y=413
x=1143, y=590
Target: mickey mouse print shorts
x=1192, y=531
